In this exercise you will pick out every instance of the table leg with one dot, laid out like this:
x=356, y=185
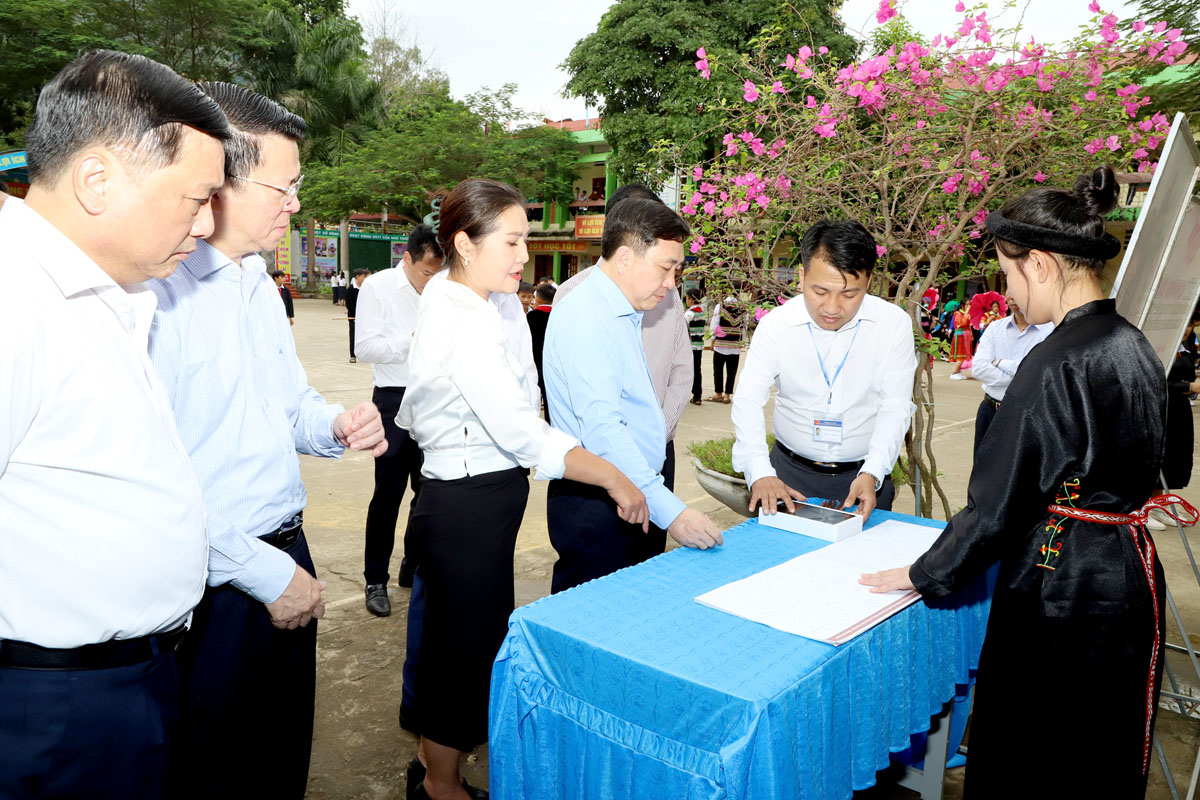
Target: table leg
x=928, y=781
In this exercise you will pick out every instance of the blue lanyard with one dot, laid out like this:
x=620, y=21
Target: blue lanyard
x=829, y=382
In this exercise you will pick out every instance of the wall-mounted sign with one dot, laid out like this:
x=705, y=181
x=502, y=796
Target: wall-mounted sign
x=590, y=226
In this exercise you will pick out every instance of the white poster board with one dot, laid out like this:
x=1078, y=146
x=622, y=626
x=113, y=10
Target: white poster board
x=1158, y=284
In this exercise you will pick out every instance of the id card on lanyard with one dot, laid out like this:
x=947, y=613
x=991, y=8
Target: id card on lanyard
x=828, y=426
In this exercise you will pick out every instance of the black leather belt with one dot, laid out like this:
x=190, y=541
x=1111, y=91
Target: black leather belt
x=103, y=655
x=991, y=401
x=286, y=534
x=824, y=467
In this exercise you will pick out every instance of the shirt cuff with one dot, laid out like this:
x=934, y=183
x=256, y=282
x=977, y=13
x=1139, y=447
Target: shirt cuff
x=268, y=572
x=875, y=468
x=664, y=505
x=327, y=445
x=552, y=460
x=759, y=467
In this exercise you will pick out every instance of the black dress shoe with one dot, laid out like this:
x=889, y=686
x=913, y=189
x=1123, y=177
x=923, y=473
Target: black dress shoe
x=414, y=777
x=377, y=600
x=416, y=789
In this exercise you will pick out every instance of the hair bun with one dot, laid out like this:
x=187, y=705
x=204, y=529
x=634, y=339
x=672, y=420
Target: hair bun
x=1098, y=191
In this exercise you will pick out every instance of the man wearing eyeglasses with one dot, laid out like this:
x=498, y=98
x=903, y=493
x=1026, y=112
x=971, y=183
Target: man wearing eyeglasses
x=221, y=343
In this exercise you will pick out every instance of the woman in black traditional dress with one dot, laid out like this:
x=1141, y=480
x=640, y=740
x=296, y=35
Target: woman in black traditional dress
x=1069, y=675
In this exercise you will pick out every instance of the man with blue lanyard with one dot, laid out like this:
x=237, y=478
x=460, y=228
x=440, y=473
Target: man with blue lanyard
x=842, y=362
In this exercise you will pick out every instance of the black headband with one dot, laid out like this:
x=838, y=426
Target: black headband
x=1097, y=248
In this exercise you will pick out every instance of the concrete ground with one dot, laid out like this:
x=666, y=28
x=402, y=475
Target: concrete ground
x=359, y=750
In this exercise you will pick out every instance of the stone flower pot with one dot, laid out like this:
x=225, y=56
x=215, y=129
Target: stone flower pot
x=731, y=491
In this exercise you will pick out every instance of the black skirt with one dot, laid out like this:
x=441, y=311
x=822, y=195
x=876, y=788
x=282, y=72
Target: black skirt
x=464, y=532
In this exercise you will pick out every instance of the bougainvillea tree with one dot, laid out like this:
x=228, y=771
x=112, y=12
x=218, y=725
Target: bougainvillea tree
x=918, y=141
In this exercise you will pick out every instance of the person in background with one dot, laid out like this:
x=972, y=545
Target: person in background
x=1002, y=347
x=1059, y=501
x=360, y=275
x=547, y=281
x=102, y=521
x=697, y=326
x=525, y=295
x=725, y=340
x=843, y=361
x=538, y=317
x=227, y=358
x=471, y=405
x=993, y=314
x=961, y=341
x=280, y=278
x=387, y=317
x=1180, y=436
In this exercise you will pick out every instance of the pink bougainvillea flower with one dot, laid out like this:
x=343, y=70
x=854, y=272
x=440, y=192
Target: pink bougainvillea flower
x=710, y=207
x=950, y=185
x=749, y=91
x=960, y=7
x=1174, y=34
x=697, y=173
x=777, y=88
x=760, y=312
x=880, y=251
x=731, y=148
x=885, y=11
x=1094, y=7
x=697, y=244
x=822, y=50
x=1113, y=142
x=1139, y=26
x=707, y=188
x=719, y=332
x=1160, y=26
x=810, y=102
x=1094, y=146
x=702, y=63
x=1140, y=153
x=826, y=130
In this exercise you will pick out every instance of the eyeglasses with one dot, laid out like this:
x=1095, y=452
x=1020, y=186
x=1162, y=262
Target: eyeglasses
x=287, y=191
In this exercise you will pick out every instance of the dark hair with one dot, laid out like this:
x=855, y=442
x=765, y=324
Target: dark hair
x=845, y=245
x=473, y=207
x=422, y=243
x=1078, y=212
x=545, y=292
x=250, y=117
x=125, y=102
x=628, y=191
x=278, y=273
x=525, y=287
x=361, y=271
x=694, y=295
x=638, y=223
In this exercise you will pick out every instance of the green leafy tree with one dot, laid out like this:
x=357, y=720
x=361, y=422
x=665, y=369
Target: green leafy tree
x=637, y=67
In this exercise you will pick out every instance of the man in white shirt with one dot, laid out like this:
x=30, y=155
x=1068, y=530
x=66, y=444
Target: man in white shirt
x=101, y=517
x=387, y=317
x=1002, y=347
x=226, y=355
x=843, y=364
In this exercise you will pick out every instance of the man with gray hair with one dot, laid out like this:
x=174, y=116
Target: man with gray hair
x=222, y=344
x=101, y=516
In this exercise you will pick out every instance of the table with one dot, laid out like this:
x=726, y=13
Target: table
x=627, y=688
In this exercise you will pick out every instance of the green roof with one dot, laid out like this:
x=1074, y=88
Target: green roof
x=1173, y=73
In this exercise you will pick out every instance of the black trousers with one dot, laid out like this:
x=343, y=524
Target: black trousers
x=983, y=420
x=399, y=465
x=727, y=364
x=697, y=383
x=589, y=537
x=102, y=734
x=811, y=483
x=352, y=339
x=465, y=532
x=247, y=697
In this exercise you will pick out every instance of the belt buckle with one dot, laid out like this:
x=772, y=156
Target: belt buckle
x=826, y=464
x=290, y=525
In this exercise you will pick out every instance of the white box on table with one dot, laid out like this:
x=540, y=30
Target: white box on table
x=819, y=522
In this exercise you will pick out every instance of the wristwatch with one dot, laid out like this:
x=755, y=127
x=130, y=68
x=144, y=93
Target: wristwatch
x=878, y=482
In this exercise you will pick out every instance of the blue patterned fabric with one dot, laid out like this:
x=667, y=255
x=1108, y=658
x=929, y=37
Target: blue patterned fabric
x=627, y=688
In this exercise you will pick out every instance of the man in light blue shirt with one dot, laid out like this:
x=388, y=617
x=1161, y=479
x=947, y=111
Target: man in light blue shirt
x=1002, y=347
x=222, y=346
x=600, y=392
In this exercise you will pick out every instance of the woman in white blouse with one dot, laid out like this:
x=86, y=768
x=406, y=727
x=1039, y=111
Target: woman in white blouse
x=472, y=406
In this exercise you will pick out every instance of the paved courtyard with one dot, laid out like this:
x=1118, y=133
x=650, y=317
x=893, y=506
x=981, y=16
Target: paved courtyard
x=360, y=751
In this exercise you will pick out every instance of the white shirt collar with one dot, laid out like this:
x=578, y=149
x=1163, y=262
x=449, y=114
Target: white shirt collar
x=868, y=311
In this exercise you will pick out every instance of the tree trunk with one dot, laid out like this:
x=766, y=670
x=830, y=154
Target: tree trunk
x=312, y=255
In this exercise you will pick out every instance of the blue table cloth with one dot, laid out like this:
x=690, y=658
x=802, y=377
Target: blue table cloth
x=625, y=687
